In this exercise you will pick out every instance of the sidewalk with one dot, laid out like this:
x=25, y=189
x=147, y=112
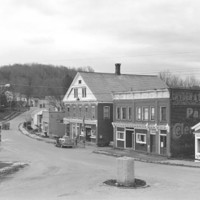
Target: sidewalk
x=109, y=151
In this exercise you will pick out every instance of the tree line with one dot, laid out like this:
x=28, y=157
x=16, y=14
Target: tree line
x=39, y=80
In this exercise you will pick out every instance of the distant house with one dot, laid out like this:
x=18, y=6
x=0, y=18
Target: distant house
x=156, y=121
x=89, y=103
x=36, y=119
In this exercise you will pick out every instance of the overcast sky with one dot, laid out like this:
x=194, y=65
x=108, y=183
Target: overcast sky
x=146, y=36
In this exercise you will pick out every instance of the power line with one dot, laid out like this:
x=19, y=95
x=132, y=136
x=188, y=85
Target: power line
x=133, y=56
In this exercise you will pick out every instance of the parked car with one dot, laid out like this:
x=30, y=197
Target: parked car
x=64, y=141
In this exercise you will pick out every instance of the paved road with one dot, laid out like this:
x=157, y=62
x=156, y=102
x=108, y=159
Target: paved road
x=55, y=173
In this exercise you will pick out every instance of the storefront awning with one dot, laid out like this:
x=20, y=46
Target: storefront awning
x=140, y=126
x=196, y=128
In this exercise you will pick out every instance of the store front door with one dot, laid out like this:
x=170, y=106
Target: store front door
x=163, y=144
x=130, y=139
x=152, y=143
x=88, y=134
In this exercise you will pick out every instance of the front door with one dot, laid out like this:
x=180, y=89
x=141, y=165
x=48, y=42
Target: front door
x=88, y=134
x=152, y=143
x=163, y=144
x=129, y=139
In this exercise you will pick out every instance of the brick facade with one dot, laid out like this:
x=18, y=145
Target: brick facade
x=167, y=132
x=90, y=116
x=143, y=129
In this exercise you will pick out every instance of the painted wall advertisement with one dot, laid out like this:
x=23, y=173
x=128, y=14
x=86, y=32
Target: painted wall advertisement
x=185, y=113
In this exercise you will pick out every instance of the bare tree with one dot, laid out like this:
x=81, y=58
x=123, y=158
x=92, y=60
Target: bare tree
x=175, y=81
x=56, y=102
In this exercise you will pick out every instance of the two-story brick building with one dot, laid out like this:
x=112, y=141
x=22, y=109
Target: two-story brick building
x=156, y=121
x=89, y=101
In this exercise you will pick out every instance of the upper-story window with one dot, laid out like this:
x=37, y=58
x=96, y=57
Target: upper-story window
x=118, y=113
x=79, y=81
x=106, y=112
x=68, y=109
x=138, y=113
x=93, y=112
x=129, y=113
x=84, y=94
x=145, y=113
x=74, y=111
x=123, y=113
x=152, y=113
x=80, y=111
x=75, y=92
x=86, y=109
x=163, y=113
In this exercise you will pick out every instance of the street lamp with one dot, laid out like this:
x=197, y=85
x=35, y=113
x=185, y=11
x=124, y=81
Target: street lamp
x=3, y=87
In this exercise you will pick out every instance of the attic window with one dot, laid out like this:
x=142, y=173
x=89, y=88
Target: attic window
x=79, y=82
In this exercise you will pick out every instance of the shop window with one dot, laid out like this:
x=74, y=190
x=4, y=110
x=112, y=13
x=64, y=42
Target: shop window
x=152, y=117
x=123, y=113
x=138, y=113
x=120, y=135
x=73, y=130
x=84, y=94
x=163, y=113
x=93, y=133
x=145, y=113
x=67, y=130
x=106, y=112
x=198, y=145
x=141, y=138
x=118, y=113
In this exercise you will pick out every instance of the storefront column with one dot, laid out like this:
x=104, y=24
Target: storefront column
x=148, y=141
x=168, y=142
x=114, y=136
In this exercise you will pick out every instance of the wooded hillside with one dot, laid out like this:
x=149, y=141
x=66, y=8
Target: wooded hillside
x=38, y=80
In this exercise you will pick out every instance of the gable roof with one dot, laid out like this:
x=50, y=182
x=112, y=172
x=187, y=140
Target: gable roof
x=103, y=84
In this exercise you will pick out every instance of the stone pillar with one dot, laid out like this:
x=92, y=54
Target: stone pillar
x=125, y=171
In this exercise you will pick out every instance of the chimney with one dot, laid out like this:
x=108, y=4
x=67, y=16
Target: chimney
x=117, y=68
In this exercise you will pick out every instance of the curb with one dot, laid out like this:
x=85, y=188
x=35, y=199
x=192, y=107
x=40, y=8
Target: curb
x=13, y=168
x=148, y=161
x=113, y=154
x=25, y=132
